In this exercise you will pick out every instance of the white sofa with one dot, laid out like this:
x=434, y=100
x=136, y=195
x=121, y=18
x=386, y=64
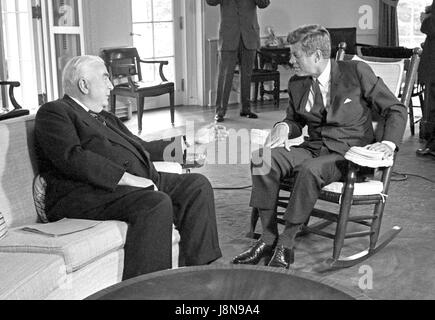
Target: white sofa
x=39, y=267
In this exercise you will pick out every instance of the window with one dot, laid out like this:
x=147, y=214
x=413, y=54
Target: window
x=153, y=35
x=18, y=49
x=408, y=12
x=38, y=37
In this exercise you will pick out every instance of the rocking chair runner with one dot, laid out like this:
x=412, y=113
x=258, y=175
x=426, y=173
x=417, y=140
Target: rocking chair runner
x=348, y=193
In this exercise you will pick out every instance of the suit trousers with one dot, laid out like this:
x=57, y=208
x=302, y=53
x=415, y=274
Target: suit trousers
x=186, y=200
x=312, y=170
x=227, y=64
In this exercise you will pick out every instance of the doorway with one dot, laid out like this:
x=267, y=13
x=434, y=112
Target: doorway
x=171, y=30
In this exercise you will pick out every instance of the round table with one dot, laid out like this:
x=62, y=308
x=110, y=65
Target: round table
x=227, y=282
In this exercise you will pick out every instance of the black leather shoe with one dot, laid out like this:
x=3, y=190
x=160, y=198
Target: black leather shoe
x=424, y=151
x=254, y=254
x=249, y=115
x=282, y=257
x=219, y=118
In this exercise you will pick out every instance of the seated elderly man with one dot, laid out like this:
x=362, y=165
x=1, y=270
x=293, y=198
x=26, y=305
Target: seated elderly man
x=97, y=169
x=334, y=99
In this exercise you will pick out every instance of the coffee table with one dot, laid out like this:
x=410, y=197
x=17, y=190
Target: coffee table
x=227, y=282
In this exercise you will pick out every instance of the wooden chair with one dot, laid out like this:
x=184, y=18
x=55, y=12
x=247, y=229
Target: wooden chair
x=124, y=65
x=262, y=74
x=352, y=191
x=18, y=111
x=398, y=53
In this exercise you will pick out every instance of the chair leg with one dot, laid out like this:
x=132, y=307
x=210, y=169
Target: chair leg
x=171, y=103
x=262, y=91
x=341, y=228
x=376, y=224
x=256, y=92
x=112, y=103
x=277, y=91
x=140, y=106
x=343, y=215
x=411, y=118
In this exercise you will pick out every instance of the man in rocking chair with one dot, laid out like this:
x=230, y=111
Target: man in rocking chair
x=334, y=99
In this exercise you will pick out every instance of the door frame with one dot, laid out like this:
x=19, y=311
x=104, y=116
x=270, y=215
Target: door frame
x=194, y=52
x=49, y=43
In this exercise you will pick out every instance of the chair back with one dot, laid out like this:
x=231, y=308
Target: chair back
x=386, y=52
x=339, y=35
x=122, y=63
x=399, y=75
x=391, y=71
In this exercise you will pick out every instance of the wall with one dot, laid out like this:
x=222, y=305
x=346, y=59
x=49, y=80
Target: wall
x=107, y=23
x=285, y=15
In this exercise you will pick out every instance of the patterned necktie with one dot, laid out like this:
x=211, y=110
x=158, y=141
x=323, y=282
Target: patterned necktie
x=315, y=97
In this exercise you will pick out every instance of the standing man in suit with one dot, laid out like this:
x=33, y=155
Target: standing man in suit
x=97, y=169
x=426, y=74
x=334, y=99
x=239, y=38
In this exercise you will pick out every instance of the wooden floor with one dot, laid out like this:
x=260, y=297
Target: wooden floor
x=402, y=270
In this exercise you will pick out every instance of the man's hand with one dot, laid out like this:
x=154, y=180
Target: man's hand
x=382, y=147
x=134, y=181
x=278, y=137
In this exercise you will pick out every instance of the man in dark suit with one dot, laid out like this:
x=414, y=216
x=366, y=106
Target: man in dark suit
x=335, y=100
x=426, y=75
x=239, y=38
x=97, y=169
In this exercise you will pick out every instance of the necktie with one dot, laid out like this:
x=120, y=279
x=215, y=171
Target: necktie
x=315, y=98
x=98, y=117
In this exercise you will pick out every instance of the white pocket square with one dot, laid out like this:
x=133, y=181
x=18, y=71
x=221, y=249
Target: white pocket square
x=347, y=101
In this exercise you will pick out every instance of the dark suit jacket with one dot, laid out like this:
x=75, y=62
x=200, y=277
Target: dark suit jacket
x=426, y=69
x=239, y=19
x=355, y=93
x=83, y=160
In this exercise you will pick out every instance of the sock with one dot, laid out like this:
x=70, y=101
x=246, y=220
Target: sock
x=288, y=236
x=270, y=226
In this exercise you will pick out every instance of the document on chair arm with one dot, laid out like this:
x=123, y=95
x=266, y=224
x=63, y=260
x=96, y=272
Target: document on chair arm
x=368, y=158
x=62, y=227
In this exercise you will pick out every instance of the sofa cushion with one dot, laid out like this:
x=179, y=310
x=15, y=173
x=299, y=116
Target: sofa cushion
x=30, y=276
x=39, y=186
x=3, y=227
x=77, y=249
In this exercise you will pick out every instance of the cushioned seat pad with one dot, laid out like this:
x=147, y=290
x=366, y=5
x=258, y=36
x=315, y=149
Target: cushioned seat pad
x=77, y=249
x=30, y=276
x=360, y=189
